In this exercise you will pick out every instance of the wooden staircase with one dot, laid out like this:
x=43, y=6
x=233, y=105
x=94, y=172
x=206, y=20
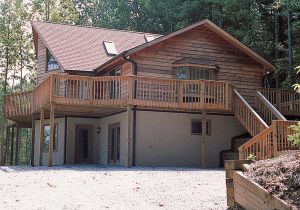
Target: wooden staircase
x=233, y=152
x=267, y=126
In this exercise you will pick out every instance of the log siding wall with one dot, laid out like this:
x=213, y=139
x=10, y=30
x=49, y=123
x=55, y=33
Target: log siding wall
x=235, y=66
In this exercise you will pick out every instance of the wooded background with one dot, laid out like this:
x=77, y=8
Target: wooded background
x=269, y=27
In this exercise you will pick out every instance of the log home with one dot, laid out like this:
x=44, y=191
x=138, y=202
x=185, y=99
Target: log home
x=191, y=98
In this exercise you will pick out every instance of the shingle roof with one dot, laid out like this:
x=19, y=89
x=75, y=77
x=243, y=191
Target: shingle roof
x=81, y=48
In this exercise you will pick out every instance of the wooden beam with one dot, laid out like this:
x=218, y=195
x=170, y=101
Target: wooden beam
x=32, y=141
x=42, y=117
x=129, y=136
x=12, y=145
x=6, y=144
x=2, y=140
x=50, y=159
x=203, y=140
x=17, y=145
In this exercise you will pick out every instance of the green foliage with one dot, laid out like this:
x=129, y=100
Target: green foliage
x=251, y=157
x=295, y=138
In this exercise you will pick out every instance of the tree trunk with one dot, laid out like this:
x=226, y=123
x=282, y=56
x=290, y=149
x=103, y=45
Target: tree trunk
x=290, y=56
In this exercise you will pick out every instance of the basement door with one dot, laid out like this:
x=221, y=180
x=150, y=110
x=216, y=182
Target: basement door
x=83, y=144
x=114, y=143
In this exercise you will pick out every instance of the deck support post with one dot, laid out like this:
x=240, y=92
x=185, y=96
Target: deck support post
x=42, y=117
x=275, y=139
x=129, y=136
x=203, y=140
x=2, y=140
x=12, y=145
x=50, y=159
x=32, y=141
x=5, y=159
x=17, y=145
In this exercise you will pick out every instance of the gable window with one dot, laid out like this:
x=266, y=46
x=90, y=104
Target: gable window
x=47, y=138
x=51, y=62
x=195, y=73
x=115, y=72
x=196, y=127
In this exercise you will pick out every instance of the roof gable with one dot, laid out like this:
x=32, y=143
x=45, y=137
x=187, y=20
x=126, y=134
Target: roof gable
x=80, y=48
x=214, y=28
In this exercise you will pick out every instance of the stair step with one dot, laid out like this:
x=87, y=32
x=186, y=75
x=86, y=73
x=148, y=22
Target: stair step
x=228, y=156
x=239, y=142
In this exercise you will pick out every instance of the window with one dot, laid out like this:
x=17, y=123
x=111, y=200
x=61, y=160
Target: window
x=110, y=48
x=195, y=73
x=115, y=72
x=196, y=127
x=51, y=62
x=47, y=138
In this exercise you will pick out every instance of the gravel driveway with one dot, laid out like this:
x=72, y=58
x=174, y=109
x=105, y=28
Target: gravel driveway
x=92, y=187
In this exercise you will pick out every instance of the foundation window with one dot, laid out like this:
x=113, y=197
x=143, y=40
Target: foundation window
x=196, y=127
x=47, y=138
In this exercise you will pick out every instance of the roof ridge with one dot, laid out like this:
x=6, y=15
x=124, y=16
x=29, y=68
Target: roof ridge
x=92, y=27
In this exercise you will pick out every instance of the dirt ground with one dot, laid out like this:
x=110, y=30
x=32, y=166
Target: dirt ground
x=93, y=187
x=280, y=176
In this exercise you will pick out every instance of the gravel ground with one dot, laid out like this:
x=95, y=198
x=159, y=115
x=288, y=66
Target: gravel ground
x=93, y=187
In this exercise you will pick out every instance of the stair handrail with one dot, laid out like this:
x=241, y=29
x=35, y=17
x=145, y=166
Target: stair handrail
x=260, y=146
x=269, y=142
x=270, y=106
x=262, y=124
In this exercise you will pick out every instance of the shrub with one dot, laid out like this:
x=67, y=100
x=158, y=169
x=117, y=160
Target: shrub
x=251, y=157
x=295, y=138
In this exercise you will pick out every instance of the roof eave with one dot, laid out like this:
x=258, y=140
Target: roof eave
x=110, y=62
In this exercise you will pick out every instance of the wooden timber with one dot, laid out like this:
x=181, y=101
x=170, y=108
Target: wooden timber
x=42, y=117
x=286, y=101
x=12, y=145
x=266, y=109
x=50, y=153
x=247, y=193
x=234, y=66
x=270, y=141
x=203, y=140
x=119, y=92
x=17, y=145
x=248, y=116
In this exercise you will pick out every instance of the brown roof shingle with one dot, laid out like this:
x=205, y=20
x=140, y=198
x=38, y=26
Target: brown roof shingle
x=81, y=48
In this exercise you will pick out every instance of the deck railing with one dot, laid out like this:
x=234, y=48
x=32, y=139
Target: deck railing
x=248, y=116
x=270, y=141
x=42, y=94
x=266, y=109
x=18, y=104
x=286, y=101
x=126, y=90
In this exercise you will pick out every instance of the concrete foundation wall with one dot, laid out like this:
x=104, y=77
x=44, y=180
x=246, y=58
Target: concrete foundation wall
x=162, y=139
x=165, y=139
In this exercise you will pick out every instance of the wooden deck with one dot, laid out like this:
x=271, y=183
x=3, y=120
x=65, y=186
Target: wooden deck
x=80, y=93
